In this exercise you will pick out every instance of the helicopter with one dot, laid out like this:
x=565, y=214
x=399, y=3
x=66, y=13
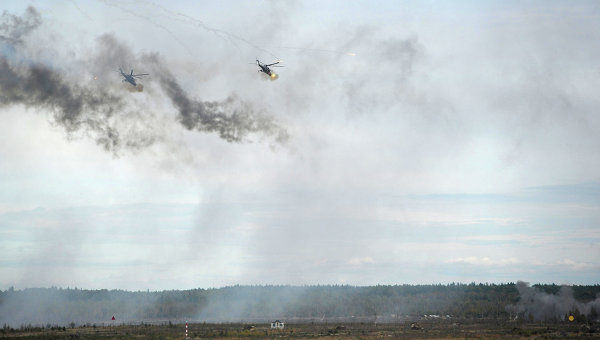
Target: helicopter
x=131, y=77
x=265, y=68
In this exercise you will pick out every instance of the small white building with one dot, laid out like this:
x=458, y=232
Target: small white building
x=277, y=324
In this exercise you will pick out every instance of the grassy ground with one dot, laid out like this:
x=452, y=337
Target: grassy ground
x=427, y=329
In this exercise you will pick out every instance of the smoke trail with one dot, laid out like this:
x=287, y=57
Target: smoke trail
x=136, y=14
x=233, y=119
x=542, y=306
x=186, y=19
x=322, y=50
x=107, y=113
x=35, y=85
x=74, y=107
x=230, y=37
x=74, y=3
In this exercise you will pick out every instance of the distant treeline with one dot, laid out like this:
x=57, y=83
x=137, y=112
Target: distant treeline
x=237, y=303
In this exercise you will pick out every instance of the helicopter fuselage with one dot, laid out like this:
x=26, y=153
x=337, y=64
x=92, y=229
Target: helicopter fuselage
x=265, y=69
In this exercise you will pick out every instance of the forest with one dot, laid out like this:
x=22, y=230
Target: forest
x=382, y=303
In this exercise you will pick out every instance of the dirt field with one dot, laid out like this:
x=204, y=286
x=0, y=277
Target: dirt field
x=447, y=329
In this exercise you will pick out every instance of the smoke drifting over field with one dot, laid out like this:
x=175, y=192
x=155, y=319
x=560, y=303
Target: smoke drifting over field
x=546, y=307
x=265, y=303
x=233, y=304
x=107, y=113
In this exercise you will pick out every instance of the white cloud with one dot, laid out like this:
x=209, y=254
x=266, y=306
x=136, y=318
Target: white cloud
x=357, y=261
x=484, y=261
x=579, y=265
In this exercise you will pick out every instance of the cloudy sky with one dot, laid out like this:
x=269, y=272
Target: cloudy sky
x=404, y=142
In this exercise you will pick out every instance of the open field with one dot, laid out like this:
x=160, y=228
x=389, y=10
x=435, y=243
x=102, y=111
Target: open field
x=425, y=329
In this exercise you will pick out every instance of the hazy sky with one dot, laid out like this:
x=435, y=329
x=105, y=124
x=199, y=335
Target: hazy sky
x=404, y=142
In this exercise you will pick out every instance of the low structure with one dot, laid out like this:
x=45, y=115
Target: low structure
x=277, y=324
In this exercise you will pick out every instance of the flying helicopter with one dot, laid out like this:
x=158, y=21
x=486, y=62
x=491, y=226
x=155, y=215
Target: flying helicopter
x=131, y=77
x=265, y=68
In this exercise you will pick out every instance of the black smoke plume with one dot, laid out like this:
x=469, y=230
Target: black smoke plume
x=74, y=107
x=106, y=112
x=232, y=119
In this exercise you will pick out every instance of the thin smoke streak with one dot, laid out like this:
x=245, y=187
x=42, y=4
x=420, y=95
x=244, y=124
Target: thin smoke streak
x=74, y=3
x=186, y=19
x=314, y=50
x=173, y=35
